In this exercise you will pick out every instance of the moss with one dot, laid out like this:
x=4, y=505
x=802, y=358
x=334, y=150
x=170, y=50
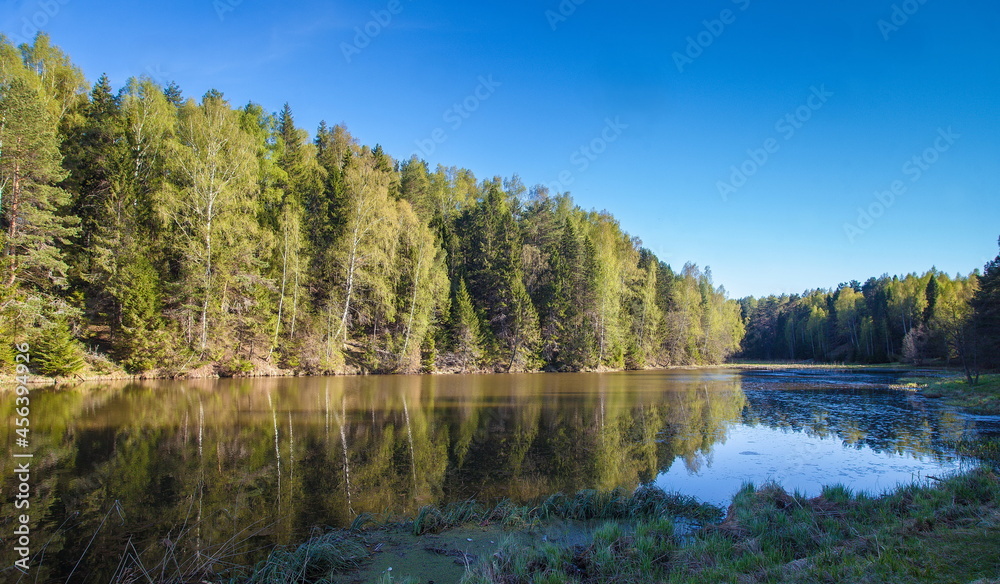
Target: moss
x=982, y=398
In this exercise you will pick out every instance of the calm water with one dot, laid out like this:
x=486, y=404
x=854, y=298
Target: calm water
x=122, y=470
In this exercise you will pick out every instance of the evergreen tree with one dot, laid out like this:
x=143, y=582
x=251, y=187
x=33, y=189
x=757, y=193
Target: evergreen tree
x=56, y=352
x=173, y=94
x=126, y=227
x=91, y=152
x=32, y=208
x=986, y=314
x=492, y=254
x=467, y=333
x=931, y=295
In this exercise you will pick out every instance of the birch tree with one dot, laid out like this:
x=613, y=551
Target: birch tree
x=365, y=253
x=423, y=284
x=211, y=206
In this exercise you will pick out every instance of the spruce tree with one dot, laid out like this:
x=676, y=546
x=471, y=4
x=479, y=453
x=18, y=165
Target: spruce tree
x=492, y=252
x=56, y=352
x=466, y=327
x=36, y=225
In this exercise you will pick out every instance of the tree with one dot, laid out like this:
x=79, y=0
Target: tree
x=124, y=237
x=467, y=333
x=954, y=321
x=364, y=255
x=56, y=352
x=930, y=296
x=849, y=307
x=423, y=282
x=211, y=207
x=492, y=254
x=32, y=215
x=985, y=306
x=58, y=79
x=646, y=313
x=90, y=160
x=564, y=300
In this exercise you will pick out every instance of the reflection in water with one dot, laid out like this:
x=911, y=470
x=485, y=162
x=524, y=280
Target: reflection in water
x=377, y=444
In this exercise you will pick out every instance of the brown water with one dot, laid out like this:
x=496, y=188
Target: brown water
x=232, y=467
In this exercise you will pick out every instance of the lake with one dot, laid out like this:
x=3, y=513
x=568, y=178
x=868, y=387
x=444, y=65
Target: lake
x=230, y=467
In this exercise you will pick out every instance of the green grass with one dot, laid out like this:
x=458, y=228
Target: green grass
x=586, y=505
x=948, y=532
x=983, y=398
x=941, y=532
x=317, y=560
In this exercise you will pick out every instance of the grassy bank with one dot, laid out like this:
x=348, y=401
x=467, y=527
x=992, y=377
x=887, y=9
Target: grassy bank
x=949, y=532
x=982, y=398
x=441, y=543
x=946, y=531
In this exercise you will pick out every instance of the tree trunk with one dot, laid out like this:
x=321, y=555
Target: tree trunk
x=350, y=287
x=413, y=303
x=281, y=297
x=208, y=280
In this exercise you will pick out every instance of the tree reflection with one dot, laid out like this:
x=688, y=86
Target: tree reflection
x=192, y=463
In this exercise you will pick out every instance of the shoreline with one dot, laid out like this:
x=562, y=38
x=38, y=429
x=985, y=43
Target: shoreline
x=215, y=371
x=982, y=398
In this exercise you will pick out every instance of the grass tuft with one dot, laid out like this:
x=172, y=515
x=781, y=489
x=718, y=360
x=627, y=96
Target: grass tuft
x=317, y=560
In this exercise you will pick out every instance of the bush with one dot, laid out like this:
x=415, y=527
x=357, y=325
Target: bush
x=56, y=352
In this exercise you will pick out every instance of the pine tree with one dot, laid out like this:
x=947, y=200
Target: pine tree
x=415, y=187
x=173, y=94
x=126, y=227
x=89, y=159
x=931, y=294
x=32, y=215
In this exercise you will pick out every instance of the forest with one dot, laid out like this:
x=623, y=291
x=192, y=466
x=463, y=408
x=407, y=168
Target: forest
x=916, y=319
x=149, y=232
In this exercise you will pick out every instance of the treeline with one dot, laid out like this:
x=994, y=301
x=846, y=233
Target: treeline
x=916, y=319
x=169, y=232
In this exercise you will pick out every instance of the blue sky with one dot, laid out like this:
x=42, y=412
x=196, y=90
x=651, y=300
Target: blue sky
x=739, y=134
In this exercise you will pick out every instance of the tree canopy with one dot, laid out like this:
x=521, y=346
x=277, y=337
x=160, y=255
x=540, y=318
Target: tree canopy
x=170, y=232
